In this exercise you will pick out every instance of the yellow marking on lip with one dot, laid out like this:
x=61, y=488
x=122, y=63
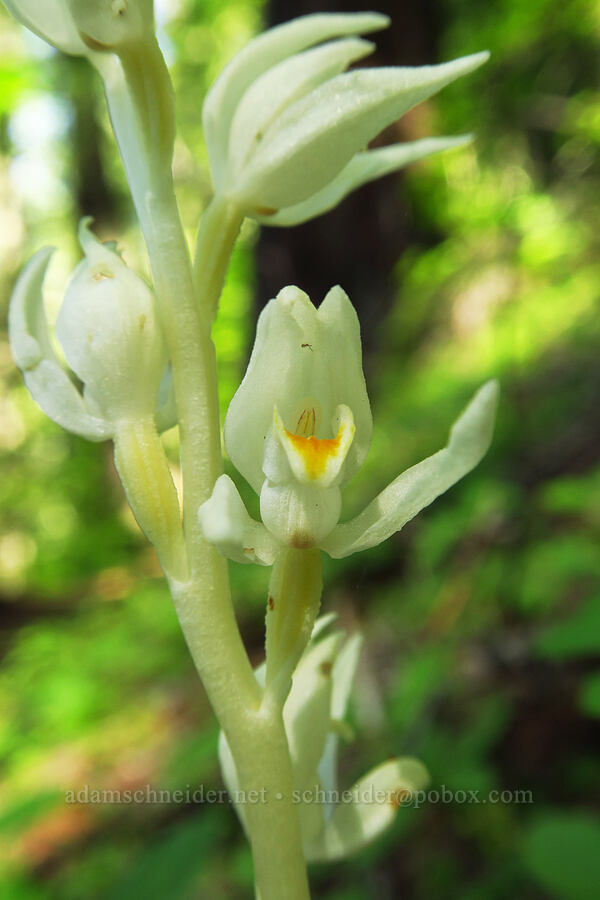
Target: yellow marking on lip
x=313, y=459
x=316, y=452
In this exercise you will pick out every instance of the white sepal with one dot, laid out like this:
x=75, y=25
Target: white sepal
x=311, y=142
x=50, y=20
x=344, y=670
x=257, y=57
x=416, y=488
x=109, y=331
x=361, y=169
x=300, y=353
x=113, y=25
x=376, y=799
x=46, y=379
x=281, y=85
x=225, y=523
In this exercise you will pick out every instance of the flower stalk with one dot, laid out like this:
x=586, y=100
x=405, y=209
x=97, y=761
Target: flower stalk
x=286, y=127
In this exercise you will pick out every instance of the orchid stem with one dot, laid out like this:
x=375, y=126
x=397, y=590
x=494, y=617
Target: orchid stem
x=186, y=307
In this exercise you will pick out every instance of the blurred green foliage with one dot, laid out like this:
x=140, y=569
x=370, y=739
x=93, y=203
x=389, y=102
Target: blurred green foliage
x=482, y=617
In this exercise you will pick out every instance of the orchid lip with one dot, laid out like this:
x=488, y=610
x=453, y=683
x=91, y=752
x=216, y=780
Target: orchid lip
x=316, y=460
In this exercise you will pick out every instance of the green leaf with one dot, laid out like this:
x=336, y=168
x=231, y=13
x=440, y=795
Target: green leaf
x=562, y=853
x=577, y=636
x=589, y=697
x=170, y=867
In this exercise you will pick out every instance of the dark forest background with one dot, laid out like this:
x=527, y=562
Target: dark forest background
x=481, y=618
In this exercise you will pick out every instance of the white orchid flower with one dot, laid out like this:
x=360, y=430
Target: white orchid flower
x=335, y=823
x=285, y=125
x=110, y=336
x=299, y=427
x=80, y=26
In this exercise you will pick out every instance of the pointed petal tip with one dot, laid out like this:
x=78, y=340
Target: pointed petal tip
x=489, y=392
x=375, y=21
x=335, y=297
x=26, y=304
x=292, y=294
x=474, y=60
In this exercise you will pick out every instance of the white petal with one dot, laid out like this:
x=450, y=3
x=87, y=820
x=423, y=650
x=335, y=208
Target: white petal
x=344, y=375
x=113, y=24
x=299, y=353
x=226, y=524
x=49, y=384
x=307, y=711
x=361, y=169
x=312, y=141
x=376, y=799
x=416, y=488
x=50, y=20
x=284, y=83
x=344, y=670
x=109, y=331
x=260, y=54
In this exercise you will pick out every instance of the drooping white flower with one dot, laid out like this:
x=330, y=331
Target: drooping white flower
x=111, y=339
x=299, y=427
x=286, y=125
x=80, y=26
x=334, y=822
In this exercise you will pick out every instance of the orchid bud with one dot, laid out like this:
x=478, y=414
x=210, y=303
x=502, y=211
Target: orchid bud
x=110, y=335
x=334, y=823
x=286, y=125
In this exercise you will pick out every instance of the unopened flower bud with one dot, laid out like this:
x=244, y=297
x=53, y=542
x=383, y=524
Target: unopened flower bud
x=110, y=335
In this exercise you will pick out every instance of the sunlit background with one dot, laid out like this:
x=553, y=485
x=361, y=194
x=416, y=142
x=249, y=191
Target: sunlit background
x=481, y=618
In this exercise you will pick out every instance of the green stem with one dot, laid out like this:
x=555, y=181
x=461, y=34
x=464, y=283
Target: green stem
x=218, y=231
x=294, y=599
x=144, y=471
x=203, y=601
x=205, y=597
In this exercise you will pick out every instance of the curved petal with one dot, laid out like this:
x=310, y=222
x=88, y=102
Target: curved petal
x=375, y=802
x=47, y=381
x=261, y=54
x=312, y=141
x=110, y=333
x=284, y=83
x=341, y=340
x=361, y=169
x=307, y=711
x=226, y=524
x=344, y=670
x=417, y=487
x=50, y=20
x=299, y=352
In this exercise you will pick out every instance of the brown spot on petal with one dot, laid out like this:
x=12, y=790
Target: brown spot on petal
x=301, y=541
x=271, y=602
x=265, y=210
x=326, y=667
x=399, y=797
